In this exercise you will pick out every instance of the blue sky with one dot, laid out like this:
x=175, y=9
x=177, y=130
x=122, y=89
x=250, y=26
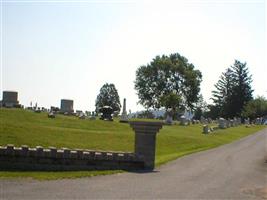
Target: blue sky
x=69, y=49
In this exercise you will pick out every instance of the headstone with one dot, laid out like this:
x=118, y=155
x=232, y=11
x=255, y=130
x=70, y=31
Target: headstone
x=124, y=117
x=227, y=123
x=206, y=129
x=222, y=123
x=258, y=121
x=51, y=115
x=202, y=120
x=92, y=117
x=78, y=113
x=209, y=120
x=81, y=116
x=106, y=113
x=183, y=120
x=188, y=121
x=231, y=123
x=168, y=119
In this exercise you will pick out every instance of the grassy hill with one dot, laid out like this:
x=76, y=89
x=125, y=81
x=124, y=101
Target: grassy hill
x=21, y=127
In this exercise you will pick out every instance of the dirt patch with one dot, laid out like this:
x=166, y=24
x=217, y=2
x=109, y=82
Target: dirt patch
x=259, y=192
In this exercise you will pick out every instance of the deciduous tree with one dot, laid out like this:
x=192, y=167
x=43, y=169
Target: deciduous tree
x=168, y=76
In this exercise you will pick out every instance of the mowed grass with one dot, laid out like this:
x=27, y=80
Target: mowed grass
x=21, y=127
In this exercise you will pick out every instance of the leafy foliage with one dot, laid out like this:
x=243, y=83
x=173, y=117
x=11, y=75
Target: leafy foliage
x=108, y=96
x=170, y=100
x=167, y=75
x=255, y=108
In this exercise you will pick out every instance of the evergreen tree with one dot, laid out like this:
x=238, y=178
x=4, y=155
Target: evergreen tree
x=242, y=91
x=233, y=90
x=108, y=96
x=222, y=96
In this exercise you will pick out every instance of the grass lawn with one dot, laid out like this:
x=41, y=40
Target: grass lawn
x=21, y=127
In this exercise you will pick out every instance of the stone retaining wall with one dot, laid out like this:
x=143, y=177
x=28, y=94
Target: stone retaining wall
x=52, y=159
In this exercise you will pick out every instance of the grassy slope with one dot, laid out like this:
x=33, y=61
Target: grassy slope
x=20, y=127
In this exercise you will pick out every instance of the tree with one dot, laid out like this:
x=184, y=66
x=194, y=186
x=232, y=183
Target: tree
x=242, y=91
x=170, y=76
x=255, y=108
x=222, y=96
x=201, y=108
x=171, y=101
x=108, y=96
x=233, y=90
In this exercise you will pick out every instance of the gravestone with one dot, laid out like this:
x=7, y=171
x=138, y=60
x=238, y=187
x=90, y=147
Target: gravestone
x=88, y=113
x=81, y=116
x=222, y=123
x=188, y=122
x=124, y=117
x=231, y=123
x=92, y=117
x=247, y=121
x=106, y=113
x=227, y=122
x=51, y=115
x=168, y=119
x=206, y=129
x=183, y=120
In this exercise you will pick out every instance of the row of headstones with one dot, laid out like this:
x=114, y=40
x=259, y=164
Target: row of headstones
x=185, y=121
x=259, y=121
x=222, y=124
x=106, y=114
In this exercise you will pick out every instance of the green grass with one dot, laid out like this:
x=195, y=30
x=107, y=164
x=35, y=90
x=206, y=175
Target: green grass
x=21, y=127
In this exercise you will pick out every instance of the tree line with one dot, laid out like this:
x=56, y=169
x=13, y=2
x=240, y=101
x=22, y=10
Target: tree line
x=173, y=83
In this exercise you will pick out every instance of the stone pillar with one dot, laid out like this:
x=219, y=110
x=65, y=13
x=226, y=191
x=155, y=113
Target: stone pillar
x=124, y=117
x=145, y=141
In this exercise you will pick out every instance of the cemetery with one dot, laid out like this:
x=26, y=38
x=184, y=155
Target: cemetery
x=67, y=140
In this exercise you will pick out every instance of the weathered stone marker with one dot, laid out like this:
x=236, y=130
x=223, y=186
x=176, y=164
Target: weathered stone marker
x=124, y=117
x=145, y=141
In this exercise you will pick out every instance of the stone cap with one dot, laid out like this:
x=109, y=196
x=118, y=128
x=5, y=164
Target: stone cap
x=146, y=126
x=146, y=123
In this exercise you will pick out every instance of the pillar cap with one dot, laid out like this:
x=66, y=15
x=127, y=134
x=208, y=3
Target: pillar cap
x=146, y=123
x=145, y=126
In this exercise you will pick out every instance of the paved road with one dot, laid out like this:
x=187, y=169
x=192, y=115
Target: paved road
x=232, y=171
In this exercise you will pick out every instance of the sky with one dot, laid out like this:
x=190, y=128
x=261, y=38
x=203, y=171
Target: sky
x=52, y=50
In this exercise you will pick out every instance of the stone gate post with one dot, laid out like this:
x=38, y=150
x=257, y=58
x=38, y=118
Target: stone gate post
x=145, y=140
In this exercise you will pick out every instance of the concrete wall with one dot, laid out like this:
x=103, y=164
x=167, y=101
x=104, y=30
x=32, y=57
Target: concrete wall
x=25, y=158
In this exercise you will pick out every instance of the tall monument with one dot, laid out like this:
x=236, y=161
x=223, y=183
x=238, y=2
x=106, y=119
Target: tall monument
x=124, y=117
